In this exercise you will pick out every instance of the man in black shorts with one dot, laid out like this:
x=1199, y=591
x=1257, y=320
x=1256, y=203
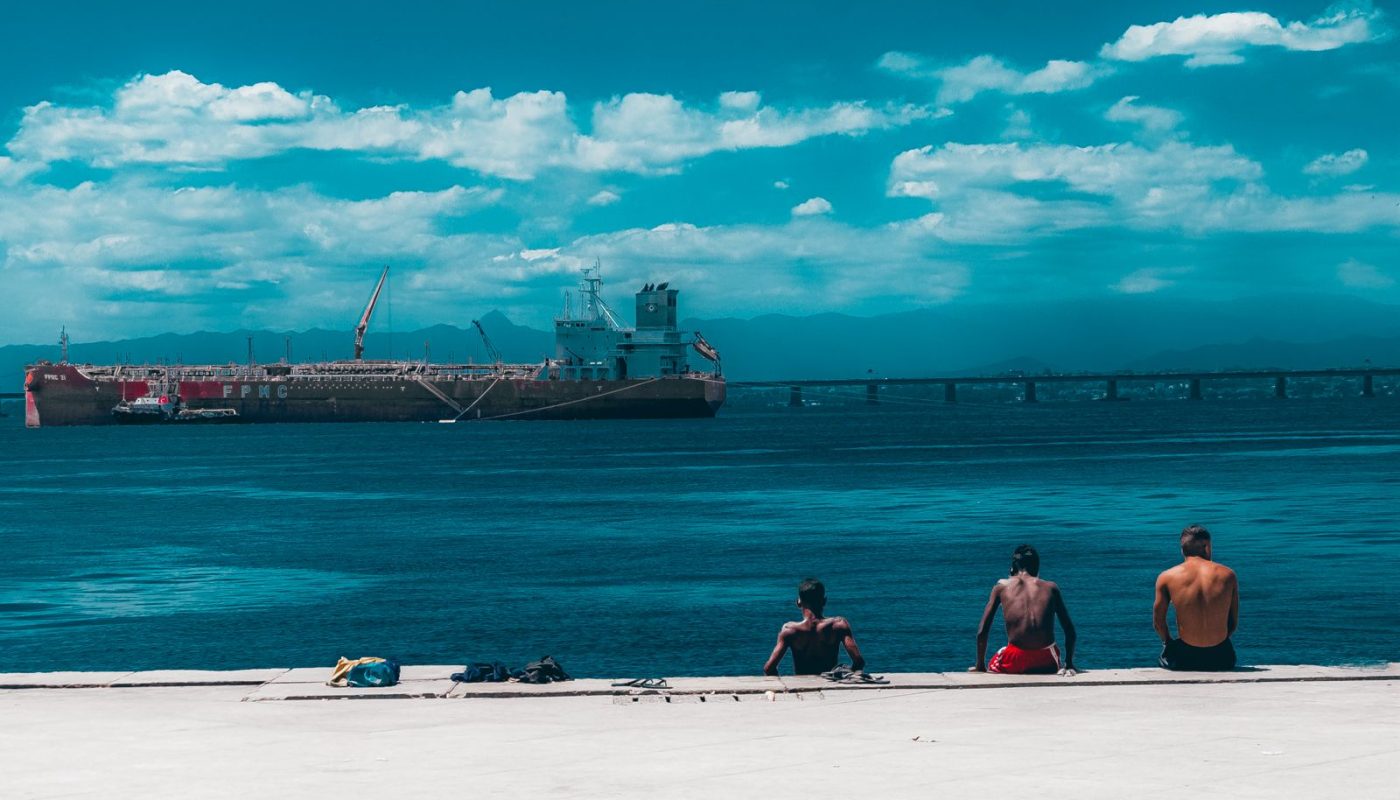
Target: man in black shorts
x=1207, y=600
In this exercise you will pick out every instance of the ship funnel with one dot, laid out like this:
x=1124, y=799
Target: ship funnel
x=656, y=308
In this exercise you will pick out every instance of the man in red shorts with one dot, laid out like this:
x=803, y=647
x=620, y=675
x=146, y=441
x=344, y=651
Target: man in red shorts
x=1029, y=606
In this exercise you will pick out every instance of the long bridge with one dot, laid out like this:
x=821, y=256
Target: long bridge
x=1110, y=380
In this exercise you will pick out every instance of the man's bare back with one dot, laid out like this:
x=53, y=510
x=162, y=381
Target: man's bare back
x=815, y=641
x=1027, y=606
x=1206, y=596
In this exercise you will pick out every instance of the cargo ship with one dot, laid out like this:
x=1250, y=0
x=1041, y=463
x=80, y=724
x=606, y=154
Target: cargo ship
x=600, y=370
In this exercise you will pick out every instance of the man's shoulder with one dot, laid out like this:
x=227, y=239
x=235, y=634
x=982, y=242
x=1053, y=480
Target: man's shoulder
x=1221, y=569
x=838, y=623
x=1171, y=572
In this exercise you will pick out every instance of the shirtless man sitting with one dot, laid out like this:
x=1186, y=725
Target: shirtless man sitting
x=1207, y=600
x=1029, y=606
x=814, y=641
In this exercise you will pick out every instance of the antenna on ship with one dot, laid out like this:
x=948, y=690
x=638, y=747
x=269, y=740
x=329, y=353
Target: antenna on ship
x=364, y=318
x=63, y=342
x=592, y=290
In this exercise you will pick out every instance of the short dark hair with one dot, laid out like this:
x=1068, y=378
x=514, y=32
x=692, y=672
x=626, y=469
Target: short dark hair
x=1026, y=560
x=1194, y=540
x=811, y=593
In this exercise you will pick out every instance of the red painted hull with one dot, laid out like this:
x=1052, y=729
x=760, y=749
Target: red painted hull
x=64, y=394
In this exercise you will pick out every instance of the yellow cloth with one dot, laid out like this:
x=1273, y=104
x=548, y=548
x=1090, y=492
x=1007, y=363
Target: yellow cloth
x=342, y=668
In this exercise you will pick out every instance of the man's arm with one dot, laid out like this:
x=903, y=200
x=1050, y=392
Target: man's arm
x=984, y=628
x=779, y=650
x=1068, y=626
x=1159, y=609
x=1234, y=620
x=852, y=649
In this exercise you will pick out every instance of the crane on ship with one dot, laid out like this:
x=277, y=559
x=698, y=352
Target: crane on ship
x=490, y=348
x=364, y=318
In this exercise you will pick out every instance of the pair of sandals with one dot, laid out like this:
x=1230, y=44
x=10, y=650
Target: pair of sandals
x=644, y=683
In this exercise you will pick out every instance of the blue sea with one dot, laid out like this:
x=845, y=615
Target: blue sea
x=650, y=548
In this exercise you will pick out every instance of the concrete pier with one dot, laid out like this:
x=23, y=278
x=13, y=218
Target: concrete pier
x=1317, y=732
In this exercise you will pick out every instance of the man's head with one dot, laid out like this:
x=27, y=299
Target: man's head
x=811, y=594
x=1195, y=541
x=1026, y=560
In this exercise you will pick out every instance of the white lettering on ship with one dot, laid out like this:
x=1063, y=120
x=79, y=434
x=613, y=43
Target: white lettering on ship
x=245, y=390
x=228, y=390
x=49, y=376
x=264, y=391
x=282, y=392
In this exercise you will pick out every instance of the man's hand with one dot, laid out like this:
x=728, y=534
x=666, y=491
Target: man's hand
x=1068, y=671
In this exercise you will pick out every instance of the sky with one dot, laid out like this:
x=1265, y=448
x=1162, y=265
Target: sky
x=214, y=166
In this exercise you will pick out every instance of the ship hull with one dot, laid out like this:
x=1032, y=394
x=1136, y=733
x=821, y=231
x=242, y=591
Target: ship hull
x=62, y=394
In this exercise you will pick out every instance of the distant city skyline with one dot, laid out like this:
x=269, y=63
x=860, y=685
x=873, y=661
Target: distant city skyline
x=177, y=168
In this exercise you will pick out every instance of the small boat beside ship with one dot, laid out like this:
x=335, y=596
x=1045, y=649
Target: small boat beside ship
x=156, y=409
x=600, y=369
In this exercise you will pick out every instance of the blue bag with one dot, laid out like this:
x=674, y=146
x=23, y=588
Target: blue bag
x=380, y=673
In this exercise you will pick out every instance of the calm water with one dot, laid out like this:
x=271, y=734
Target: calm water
x=664, y=548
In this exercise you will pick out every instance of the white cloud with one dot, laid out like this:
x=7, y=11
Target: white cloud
x=1333, y=164
x=815, y=206
x=986, y=73
x=1018, y=125
x=1360, y=275
x=982, y=191
x=1145, y=281
x=1208, y=40
x=604, y=197
x=1153, y=119
x=780, y=184
x=126, y=254
x=174, y=118
x=1125, y=171
x=128, y=258
x=12, y=171
x=808, y=265
x=656, y=133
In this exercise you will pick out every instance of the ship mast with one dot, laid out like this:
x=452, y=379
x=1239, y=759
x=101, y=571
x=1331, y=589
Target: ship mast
x=594, y=306
x=364, y=318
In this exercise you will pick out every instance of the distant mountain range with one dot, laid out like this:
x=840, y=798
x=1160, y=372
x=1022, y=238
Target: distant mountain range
x=1285, y=331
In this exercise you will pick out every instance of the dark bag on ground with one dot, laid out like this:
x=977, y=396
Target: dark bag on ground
x=546, y=670
x=483, y=672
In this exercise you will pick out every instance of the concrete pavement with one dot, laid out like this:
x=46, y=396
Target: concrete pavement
x=1281, y=732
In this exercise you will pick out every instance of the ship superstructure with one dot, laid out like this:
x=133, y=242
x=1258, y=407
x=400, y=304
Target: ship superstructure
x=600, y=369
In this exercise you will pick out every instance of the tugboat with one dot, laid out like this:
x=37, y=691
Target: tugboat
x=161, y=407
